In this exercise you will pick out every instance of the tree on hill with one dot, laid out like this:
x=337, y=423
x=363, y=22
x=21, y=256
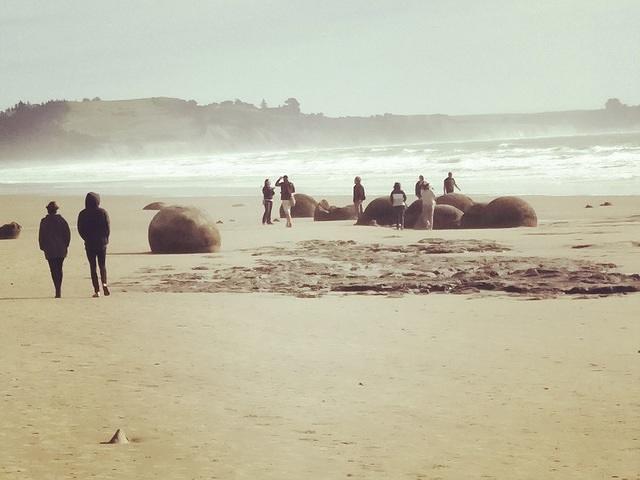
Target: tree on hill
x=614, y=104
x=263, y=104
x=292, y=104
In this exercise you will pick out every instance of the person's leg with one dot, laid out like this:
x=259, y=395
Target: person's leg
x=431, y=212
x=58, y=280
x=401, y=218
x=55, y=268
x=264, y=214
x=268, y=213
x=396, y=210
x=102, y=264
x=91, y=256
x=286, y=205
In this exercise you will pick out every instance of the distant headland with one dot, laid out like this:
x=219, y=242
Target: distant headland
x=162, y=126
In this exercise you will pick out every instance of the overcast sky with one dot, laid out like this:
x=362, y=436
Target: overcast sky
x=340, y=57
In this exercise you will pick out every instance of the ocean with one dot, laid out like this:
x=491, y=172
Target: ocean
x=606, y=164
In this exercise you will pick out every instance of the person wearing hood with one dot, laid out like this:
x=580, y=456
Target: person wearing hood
x=93, y=227
x=54, y=237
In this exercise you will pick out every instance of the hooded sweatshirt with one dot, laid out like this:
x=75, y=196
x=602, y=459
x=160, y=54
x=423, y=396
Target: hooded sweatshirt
x=54, y=236
x=93, y=223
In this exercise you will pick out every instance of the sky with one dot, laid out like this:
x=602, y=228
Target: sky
x=339, y=57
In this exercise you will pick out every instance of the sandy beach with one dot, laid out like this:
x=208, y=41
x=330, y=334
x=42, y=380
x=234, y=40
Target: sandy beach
x=271, y=360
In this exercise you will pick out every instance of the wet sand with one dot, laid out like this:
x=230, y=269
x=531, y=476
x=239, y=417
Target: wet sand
x=271, y=359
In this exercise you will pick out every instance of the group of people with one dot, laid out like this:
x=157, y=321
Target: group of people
x=94, y=228
x=397, y=197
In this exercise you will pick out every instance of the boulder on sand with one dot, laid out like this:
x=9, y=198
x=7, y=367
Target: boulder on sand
x=380, y=211
x=503, y=212
x=325, y=212
x=458, y=200
x=155, y=206
x=305, y=206
x=10, y=231
x=183, y=230
x=444, y=216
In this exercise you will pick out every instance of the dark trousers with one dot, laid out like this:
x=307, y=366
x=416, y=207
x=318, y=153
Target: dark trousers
x=55, y=265
x=399, y=211
x=266, y=217
x=99, y=256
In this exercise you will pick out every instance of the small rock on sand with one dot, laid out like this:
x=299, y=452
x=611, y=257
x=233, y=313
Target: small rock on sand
x=118, y=437
x=606, y=204
x=588, y=206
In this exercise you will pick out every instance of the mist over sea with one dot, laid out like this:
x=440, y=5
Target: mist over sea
x=607, y=164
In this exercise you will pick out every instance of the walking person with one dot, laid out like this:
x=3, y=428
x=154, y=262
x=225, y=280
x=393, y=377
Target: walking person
x=450, y=184
x=287, y=190
x=267, y=200
x=358, y=196
x=399, y=202
x=93, y=227
x=419, y=184
x=54, y=237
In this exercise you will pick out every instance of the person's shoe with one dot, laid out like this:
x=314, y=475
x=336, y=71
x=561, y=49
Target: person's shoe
x=96, y=295
x=58, y=295
x=106, y=291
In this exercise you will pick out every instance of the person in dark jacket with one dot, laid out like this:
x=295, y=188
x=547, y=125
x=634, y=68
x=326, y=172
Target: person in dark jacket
x=450, y=184
x=419, y=185
x=267, y=200
x=358, y=196
x=287, y=190
x=93, y=227
x=54, y=237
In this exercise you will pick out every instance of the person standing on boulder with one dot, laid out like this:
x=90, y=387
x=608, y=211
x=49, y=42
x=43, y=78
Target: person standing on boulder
x=267, y=200
x=358, y=196
x=419, y=185
x=450, y=184
x=54, y=237
x=287, y=189
x=398, y=200
x=94, y=228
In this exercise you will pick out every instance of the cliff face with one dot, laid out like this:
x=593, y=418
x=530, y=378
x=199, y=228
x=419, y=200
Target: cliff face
x=165, y=126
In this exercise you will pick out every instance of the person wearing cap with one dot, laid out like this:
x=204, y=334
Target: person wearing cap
x=54, y=237
x=94, y=228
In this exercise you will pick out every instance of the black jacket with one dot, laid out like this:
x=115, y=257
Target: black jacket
x=54, y=236
x=93, y=223
x=358, y=193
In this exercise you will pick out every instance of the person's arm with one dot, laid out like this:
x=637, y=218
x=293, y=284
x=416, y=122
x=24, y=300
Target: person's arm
x=355, y=195
x=41, y=235
x=364, y=197
x=66, y=232
x=293, y=188
x=391, y=198
x=107, y=225
x=404, y=196
x=279, y=181
x=444, y=189
x=81, y=230
x=456, y=185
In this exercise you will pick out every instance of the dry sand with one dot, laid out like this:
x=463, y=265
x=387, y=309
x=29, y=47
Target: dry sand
x=385, y=383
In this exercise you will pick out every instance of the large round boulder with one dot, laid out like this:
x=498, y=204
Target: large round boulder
x=379, y=211
x=444, y=216
x=155, y=206
x=475, y=216
x=183, y=230
x=458, y=200
x=325, y=212
x=10, y=231
x=503, y=212
x=508, y=212
x=305, y=206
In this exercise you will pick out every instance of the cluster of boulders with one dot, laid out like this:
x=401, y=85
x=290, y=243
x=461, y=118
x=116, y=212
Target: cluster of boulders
x=455, y=210
x=325, y=212
x=10, y=231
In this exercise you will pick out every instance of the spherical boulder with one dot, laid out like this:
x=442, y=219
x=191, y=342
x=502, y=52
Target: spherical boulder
x=445, y=217
x=183, y=230
x=475, y=216
x=155, y=206
x=509, y=212
x=325, y=212
x=458, y=200
x=502, y=212
x=10, y=231
x=379, y=210
x=305, y=206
